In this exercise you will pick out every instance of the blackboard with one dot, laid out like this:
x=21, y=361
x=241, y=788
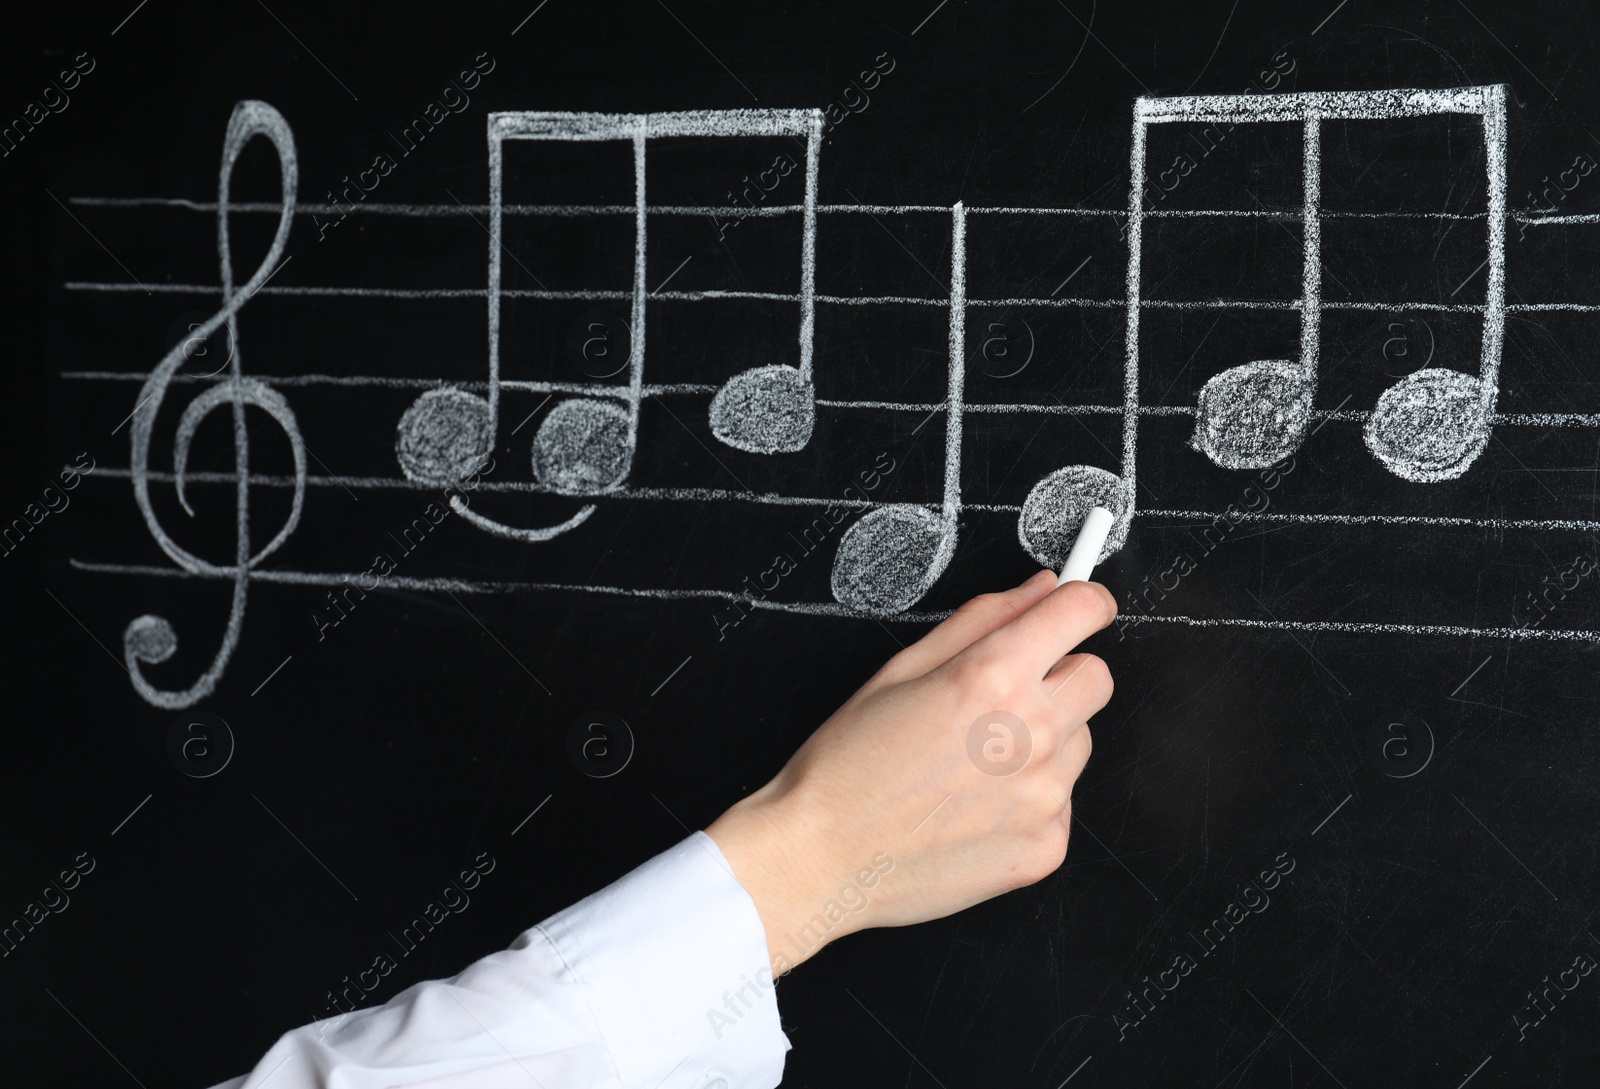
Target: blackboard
x=1346, y=779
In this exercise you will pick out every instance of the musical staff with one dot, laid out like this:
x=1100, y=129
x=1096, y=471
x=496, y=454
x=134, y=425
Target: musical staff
x=1429, y=426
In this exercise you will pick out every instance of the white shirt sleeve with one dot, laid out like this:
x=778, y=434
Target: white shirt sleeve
x=658, y=981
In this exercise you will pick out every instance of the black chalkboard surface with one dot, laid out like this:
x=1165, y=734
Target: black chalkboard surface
x=608, y=350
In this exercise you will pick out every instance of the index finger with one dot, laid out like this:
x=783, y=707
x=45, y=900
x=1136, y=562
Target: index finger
x=1052, y=627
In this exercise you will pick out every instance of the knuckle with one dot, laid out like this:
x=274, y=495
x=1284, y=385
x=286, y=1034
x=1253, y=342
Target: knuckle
x=1046, y=853
x=1075, y=755
x=1090, y=598
x=1110, y=600
x=983, y=606
x=1045, y=797
x=1076, y=740
x=986, y=678
x=1088, y=677
x=973, y=605
x=1097, y=678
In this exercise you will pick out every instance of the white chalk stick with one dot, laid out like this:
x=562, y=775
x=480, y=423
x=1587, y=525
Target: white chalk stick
x=1086, y=549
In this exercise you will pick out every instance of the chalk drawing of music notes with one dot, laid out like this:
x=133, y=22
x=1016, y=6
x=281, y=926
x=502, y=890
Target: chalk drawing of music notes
x=1430, y=426
x=586, y=444
x=893, y=555
x=152, y=639
x=771, y=408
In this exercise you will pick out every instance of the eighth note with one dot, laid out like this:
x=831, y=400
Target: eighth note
x=773, y=409
x=892, y=556
x=1255, y=414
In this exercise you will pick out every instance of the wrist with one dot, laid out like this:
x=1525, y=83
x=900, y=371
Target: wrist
x=778, y=850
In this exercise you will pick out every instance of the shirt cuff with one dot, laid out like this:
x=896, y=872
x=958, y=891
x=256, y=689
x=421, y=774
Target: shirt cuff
x=673, y=959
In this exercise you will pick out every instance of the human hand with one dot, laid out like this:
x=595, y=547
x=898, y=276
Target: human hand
x=944, y=781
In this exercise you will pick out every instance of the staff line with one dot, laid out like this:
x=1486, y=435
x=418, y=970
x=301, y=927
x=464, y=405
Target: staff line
x=1286, y=305
x=768, y=211
x=833, y=609
x=774, y=499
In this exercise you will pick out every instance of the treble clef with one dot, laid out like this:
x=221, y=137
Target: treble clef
x=148, y=638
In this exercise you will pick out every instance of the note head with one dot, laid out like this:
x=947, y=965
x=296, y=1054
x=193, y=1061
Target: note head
x=1254, y=415
x=891, y=557
x=765, y=410
x=1430, y=426
x=443, y=437
x=583, y=447
x=1057, y=505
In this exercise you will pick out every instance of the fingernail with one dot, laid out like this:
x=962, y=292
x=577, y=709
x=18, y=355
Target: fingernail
x=1037, y=577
